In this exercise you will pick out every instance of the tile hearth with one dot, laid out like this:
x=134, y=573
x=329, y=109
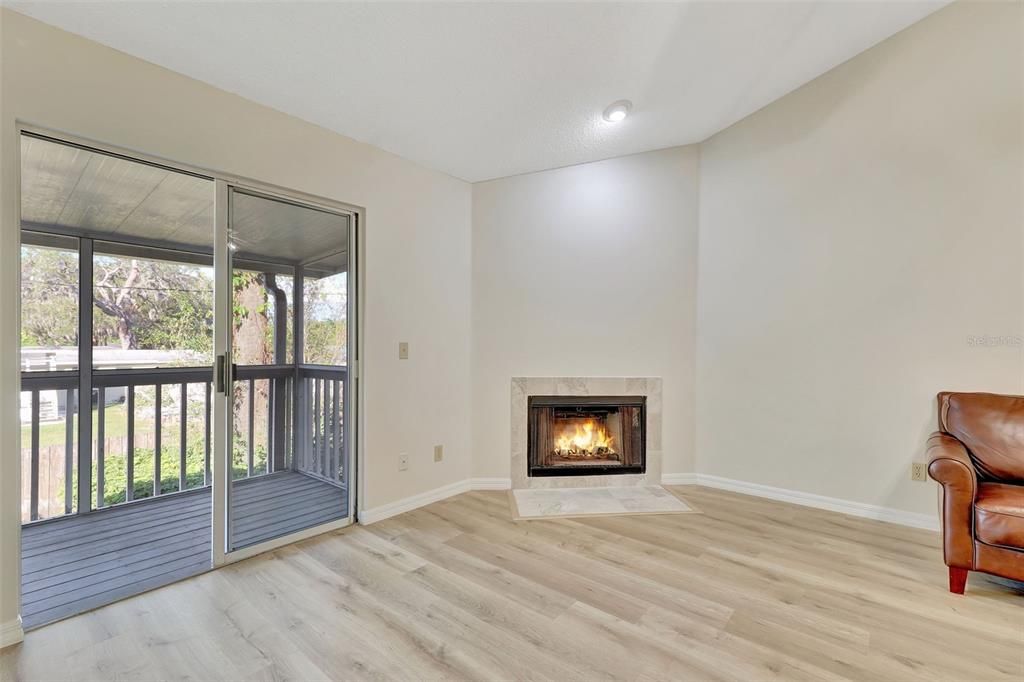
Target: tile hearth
x=549, y=503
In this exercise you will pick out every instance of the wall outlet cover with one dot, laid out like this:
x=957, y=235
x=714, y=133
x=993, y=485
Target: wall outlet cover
x=919, y=471
x=403, y=350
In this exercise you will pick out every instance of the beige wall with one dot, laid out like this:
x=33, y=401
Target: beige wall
x=586, y=271
x=854, y=236
x=417, y=242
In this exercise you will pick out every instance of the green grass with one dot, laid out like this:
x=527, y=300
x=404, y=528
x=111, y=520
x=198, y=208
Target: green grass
x=115, y=425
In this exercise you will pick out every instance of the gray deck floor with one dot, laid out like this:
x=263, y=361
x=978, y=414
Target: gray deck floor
x=79, y=563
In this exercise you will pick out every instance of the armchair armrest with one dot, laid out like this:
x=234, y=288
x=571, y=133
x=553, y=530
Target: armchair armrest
x=950, y=465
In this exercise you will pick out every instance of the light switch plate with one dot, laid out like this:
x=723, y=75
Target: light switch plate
x=403, y=350
x=438, y=453
x=403, y=462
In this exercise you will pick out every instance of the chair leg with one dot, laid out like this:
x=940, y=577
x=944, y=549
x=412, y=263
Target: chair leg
x=957, y=580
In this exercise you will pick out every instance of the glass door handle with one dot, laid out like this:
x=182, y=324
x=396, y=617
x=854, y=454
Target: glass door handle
x=220, y=374
x=224, y=373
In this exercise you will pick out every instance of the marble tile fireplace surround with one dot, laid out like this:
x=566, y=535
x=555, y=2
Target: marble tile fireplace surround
x=608, y=435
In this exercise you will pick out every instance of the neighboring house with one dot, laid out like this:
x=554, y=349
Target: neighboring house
x=65, y=358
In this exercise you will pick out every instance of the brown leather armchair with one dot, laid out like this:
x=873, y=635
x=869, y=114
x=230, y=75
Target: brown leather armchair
x=978, y=456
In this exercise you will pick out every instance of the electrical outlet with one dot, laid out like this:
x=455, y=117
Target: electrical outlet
x=403, y=350
x=438, y=453
x=403, y=462
x=919, y=471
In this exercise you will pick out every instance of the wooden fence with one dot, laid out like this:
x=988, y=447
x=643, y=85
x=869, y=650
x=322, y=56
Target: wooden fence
x=52, y=468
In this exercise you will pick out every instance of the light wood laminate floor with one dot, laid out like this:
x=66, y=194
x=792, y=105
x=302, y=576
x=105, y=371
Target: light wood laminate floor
x=749, y=590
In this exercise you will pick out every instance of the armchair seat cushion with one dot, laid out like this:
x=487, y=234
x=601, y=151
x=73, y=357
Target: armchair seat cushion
x=999, y=515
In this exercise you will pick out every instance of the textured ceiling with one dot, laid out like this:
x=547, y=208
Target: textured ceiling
x=488, y=89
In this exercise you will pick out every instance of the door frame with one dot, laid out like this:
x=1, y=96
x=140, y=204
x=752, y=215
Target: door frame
x=223, y=412
x=356, y=316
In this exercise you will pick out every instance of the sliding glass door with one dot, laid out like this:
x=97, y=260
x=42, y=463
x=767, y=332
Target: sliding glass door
x=186, y=398
x=116, y=355
x=284, y=368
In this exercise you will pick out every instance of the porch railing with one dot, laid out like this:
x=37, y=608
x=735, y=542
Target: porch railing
x=56, y=384
x=323, y=431
x=132, y=456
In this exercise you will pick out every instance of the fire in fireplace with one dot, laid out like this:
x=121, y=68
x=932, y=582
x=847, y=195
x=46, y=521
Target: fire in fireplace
x=583, y=438
x=586, y=435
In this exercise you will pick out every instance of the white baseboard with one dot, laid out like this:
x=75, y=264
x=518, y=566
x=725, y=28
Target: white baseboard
x=860, y=509
x=490, y=483
x=385, y=511
x=11, y=633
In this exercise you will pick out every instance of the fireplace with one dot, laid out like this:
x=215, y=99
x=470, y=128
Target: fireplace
x=586, y=435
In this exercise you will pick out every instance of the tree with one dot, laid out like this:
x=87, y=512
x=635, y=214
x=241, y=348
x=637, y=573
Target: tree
x=117, y=299
x=139, y=303
x=150, y=304
x=326, y=329
x=252, y=345
x=251, y=332
x=49, y=297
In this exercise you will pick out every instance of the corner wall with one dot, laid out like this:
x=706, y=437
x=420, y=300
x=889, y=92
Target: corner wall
x=586, y=271
x=861, y=250
x=417, y=243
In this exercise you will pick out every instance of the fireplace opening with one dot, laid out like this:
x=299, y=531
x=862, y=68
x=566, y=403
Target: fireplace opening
x=586, y=435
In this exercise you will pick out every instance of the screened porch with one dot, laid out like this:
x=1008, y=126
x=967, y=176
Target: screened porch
x=118, y=374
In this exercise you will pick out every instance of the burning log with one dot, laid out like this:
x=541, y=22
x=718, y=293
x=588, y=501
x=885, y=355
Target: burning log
x=582, y=453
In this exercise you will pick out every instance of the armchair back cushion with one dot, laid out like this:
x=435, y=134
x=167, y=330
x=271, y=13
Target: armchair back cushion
x=991, y=427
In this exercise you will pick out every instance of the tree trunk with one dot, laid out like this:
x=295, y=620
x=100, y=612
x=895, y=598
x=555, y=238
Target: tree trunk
x=251, y=347
x=251, y=323
x=126, y=334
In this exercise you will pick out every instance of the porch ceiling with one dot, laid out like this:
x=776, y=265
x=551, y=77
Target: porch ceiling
x=72, y=190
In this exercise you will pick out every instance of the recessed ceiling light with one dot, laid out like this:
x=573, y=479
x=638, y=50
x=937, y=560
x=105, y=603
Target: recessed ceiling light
x=617, y=111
